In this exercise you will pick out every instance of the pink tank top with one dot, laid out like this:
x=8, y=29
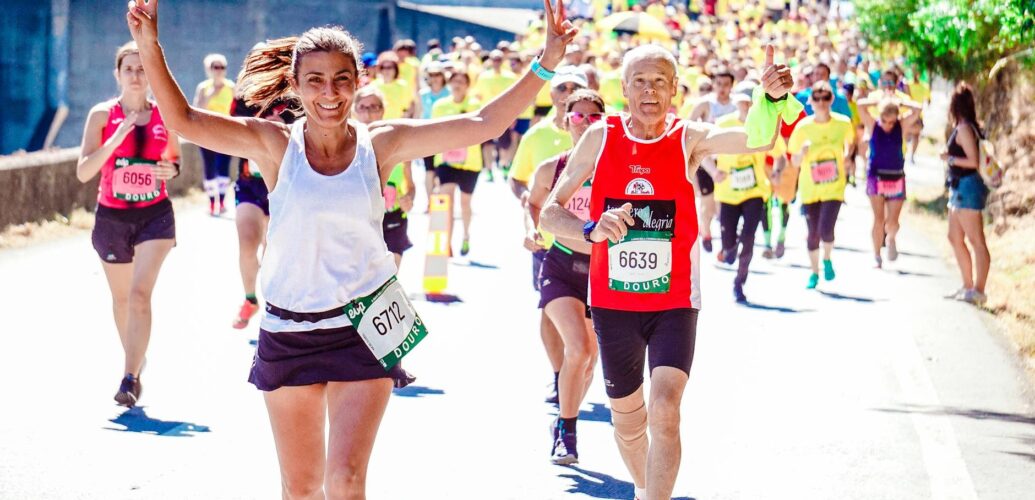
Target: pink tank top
x=126, y=178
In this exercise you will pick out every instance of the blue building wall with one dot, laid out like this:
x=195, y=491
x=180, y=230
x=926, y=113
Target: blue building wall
x=46, y=43
x=24, y=36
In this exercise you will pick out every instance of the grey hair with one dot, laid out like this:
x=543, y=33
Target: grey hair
x=649, y=51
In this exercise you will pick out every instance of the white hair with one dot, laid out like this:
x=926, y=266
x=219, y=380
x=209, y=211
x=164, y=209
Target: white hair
x=649, y=51
x=214, y=58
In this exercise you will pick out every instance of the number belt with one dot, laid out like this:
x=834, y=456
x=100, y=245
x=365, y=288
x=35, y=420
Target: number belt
x=304, y=317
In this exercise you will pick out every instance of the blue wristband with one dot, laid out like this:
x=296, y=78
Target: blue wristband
x=540, y=71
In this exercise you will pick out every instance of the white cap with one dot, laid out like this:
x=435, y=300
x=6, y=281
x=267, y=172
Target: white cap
x=569, y=74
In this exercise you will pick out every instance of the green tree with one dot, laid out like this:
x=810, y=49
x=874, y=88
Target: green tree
x=959, y=39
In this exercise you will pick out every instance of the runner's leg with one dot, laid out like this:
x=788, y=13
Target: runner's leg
x=891, y=221
x=666, y=393
x=297, y=416
x=355, y=410
x=751, y=211
x=580, y=352
x=812, y=211
x=877, y=204
x=629, y=415
x=120, y=279
x=146, y=264
x=466, y=213
x=251, y=229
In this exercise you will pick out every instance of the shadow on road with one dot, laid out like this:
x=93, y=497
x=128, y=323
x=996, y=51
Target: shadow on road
x=838, y=296
x=781, y=309
x=963, y=412
x=597, y=413
x=599, y=485
x=417, y=391
x=472, y=263
x=723, y=267
x=136, y=420
x=912, y=273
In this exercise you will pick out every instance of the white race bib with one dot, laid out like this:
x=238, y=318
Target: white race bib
x=387, y=323
x=743, y=178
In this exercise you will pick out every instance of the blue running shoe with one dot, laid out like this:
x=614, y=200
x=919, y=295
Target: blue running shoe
x=564, y=449
x=129, y=391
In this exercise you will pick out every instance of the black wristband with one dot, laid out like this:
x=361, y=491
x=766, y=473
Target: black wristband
x=770, y=98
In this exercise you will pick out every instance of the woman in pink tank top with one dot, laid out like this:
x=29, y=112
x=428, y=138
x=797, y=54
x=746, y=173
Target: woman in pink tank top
x=127, y=143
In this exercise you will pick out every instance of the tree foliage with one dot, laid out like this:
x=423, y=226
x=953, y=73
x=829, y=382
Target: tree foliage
x=959, y=39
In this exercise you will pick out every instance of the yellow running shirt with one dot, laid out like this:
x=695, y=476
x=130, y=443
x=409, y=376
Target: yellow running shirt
x=822, y=176
x=745, y=174
x=469, y=158
x=491, y=84
x=542, y=141
x=221, y=101
x=397, y=97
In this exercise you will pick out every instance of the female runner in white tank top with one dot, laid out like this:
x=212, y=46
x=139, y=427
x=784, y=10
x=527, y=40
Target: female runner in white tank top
x=325, y=252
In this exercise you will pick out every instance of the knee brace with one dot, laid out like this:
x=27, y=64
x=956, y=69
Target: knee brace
x=631, y=430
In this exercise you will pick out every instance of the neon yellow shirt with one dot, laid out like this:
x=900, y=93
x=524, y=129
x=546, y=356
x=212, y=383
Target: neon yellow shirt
x=543, y=99
x=611, y=89
x=221, y=101
x=397, y=97
x=822, y=176
x=408, y=72
x=746, y=174
x=542, y=141
x=469, y=158
x=491, y=84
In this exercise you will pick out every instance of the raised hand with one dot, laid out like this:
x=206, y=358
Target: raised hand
x=142, y=20
x=776, y=78
x=559, y=33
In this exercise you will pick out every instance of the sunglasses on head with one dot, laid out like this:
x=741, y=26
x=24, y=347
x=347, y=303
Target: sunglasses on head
x=578, y=117
x=822, y=97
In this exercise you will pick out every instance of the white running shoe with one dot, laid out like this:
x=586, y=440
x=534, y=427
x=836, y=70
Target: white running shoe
x=956, y=294
x=973, y=297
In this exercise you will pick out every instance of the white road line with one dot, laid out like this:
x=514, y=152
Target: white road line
x=946, y=469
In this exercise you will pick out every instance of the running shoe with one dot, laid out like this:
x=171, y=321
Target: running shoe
x=767, y=253
x=738, y=294
x=779, y=250
x=892, y=250
x=564, y=449
x=247, y=311
x=973, y=296
x=879, y=262
x=813, y=281
x=956, y=294
x=212, y=208
x=707, y=244
x=129, y=391
x=465, y=248
x=828, y=270
x=222, y=208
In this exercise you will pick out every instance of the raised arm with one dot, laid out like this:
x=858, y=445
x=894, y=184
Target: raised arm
x=400, y=140
x=92, y=153
x=776, y=83
x=261, y=140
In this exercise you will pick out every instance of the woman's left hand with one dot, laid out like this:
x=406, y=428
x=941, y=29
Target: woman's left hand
x=406, y=202
x=165, y=170
x=559, y=33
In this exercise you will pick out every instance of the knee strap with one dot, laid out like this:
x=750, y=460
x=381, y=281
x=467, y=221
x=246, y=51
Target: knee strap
x=630, y=428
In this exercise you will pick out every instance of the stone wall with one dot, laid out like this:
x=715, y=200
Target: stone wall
x=39, y=186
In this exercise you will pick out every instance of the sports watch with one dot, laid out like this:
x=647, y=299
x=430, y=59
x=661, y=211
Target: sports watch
x=588, y=229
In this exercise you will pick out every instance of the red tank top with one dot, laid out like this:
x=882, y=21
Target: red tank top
x=656, y=266
x=126, y=178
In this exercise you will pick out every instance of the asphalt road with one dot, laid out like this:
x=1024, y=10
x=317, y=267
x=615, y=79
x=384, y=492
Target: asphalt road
x=871, y=387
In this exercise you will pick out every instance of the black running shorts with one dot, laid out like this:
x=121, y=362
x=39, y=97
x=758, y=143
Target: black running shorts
x=628, y=338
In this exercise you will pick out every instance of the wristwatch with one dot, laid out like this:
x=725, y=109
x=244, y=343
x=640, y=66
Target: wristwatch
x=588, y=229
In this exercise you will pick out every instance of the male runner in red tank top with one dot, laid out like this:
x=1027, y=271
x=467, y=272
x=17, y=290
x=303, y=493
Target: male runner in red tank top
x=644, y=286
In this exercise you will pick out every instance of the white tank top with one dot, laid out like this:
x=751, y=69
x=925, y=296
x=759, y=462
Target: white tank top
x=716, y=109
x=325, y=244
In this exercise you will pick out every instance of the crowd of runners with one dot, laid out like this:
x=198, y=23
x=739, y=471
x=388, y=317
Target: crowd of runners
x=621, y=148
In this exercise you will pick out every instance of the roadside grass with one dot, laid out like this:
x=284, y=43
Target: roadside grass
x=1011, y=296
x=79, y=221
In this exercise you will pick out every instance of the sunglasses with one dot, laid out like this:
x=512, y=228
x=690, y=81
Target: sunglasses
x=887, y=83
x=388, y=66
x=822, y=97
x=217, y=67
x=577, y=117
x=568, y=87
x=370, y=109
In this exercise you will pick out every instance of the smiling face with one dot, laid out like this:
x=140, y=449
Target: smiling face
x=649, y=85
x=369, y=109
x=325, y=83
x=130, y=74
x=582, y=114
